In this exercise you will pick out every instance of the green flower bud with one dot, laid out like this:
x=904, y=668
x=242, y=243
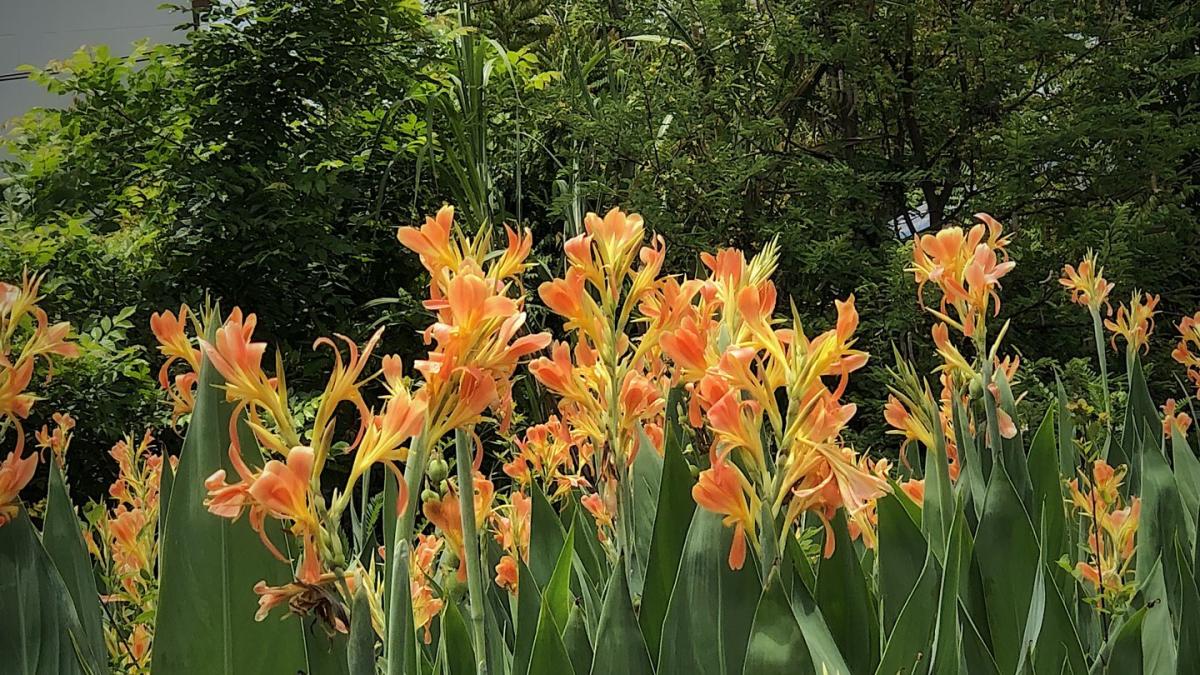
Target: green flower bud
x=437, y=469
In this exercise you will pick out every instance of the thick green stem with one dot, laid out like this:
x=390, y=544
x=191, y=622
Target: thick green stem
x=1098, y=334
x=466, y=504
x=398, y=587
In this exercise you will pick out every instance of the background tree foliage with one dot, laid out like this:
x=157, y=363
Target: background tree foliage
x=267, y=160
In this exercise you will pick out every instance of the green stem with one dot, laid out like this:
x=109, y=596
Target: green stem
x=398, y=588
x=466, y=504
x=1098, y=334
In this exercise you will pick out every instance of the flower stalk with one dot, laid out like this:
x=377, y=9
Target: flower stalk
x=466, y=501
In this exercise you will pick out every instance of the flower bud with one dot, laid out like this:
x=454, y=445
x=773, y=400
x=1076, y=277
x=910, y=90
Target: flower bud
x=437, y=469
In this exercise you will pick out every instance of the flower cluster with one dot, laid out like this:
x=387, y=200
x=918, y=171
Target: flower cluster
x=124, y=540
x=1112, y=528
x=1189, y=344
x=1087, y=284
x=26, y=336
x=967, y=267
x=739, y=364
x=612, y=385
x=1134, y=322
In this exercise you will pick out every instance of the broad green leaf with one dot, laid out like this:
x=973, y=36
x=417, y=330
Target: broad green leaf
x=647, y=475
x=575, y=639
x=205, y=621
x=529, y=603
x=826, y=657
x=1049, y=505
x=976, y=655
x=1006, y=551
x=1189, y=624
x=545, y=538
x=1124, y=652
x=976, y=468
x=1187, y=475
x=457, y=651
x=708, y=621
x=1058, y=642
x=1012, y=449
x=40, y=633
x=902, y=552
x=549, y=654
x=946, y=656
x=846, y=602
x=622, y=650
x=1161, y=522
x=937, y=512
x=557, y=593
x=776, y=644
x=910, y=643
x=672, y=518
x=63, y=539
x=360, y=653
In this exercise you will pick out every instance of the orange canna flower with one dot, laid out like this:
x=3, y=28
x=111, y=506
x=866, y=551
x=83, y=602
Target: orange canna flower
x=1174, y=421
x=236, y=356
x=283, y=489
x=915, y=489
x=1087, y=285
x=722, y=490
x=603, y=510
x=967, y=267
x=1189, y=331
x=1134, y=322
x=433, y=242
x=446, y=515
x=15, y=474
x=507, y=574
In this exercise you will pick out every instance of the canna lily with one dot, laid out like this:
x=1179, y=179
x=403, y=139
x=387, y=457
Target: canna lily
x=966, y=267
x=1087, y=284
x=446, y=515
x=1174, y=421
x=1134, y=322
x=15, y=474
x=1189, y=331
x=723, y=490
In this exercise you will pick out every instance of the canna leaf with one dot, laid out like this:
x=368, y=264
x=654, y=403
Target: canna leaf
x=826, y=657
x=776, y=644
x=1187, y=475
x=846, y=602
x=673, y=515
x=40, y=633
x=529, y=603
x=545, y=538
x=457, y=651
x=623, y=651
x=64, y=544
x=946, y=656
x=205, y=621
x=902, y=556
x=647, y=476
x=708, y=621
x=575, y=639
x=549, y=654
x=909, y=644
x=1124, y=652
x=1007, y=556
